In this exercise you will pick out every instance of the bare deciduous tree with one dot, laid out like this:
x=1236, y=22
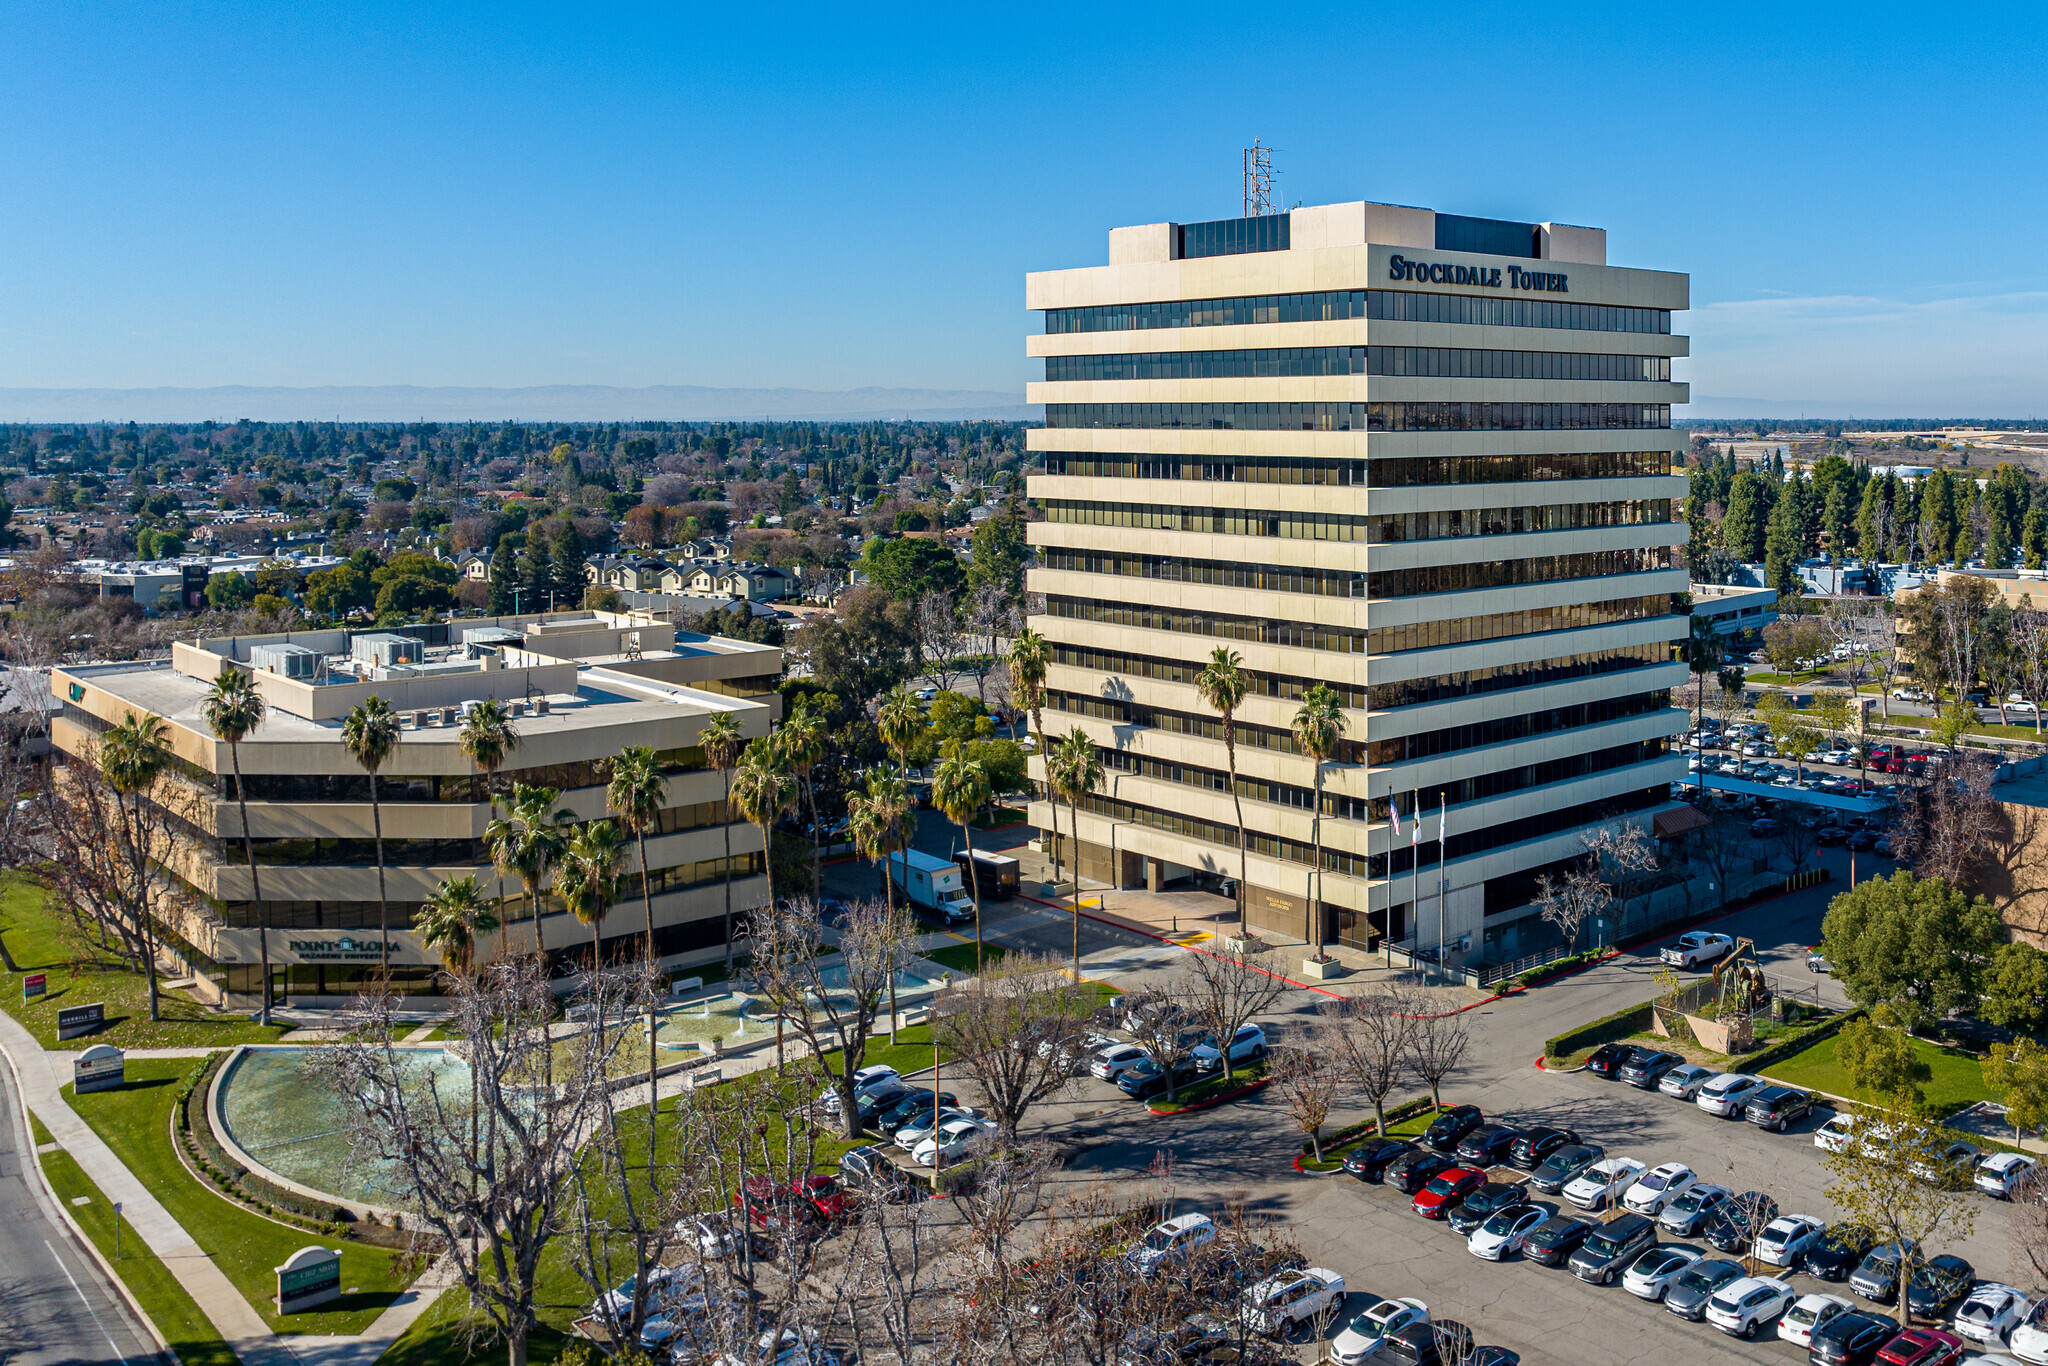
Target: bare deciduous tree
x=1161, y=1018
x=939, y=637
x=1228, y=991
x=2027, y=1228
x=1368, y=1040
x=789, y=956
x=1309, y=1080
x=2029, y=633
x=1016, y=1031
x=1436, y=1049
x=1946, y=824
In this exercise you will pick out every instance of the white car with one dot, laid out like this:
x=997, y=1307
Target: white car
x=920, y=1129
x=1604, y=1182
x=1788, y=1238
x=2000, y=1173
x=2019, y=704
x=1248, y=1044
x=2029, y=1341
x=1685, y=1081
x=866, y=1079
x=663, y=1282
x=1726, y=1094
x=1657, y=1270
x=1659, y=1186
x=1500, y=1237
x=1361, y=1333
x=1840, y=758
x=1113, y=1061
x=1808, y=1313
x=953, y=1140
x=1741, y=1307
x=1694, y=948
x=1833, y=1136
x=1991, y=1311
x=680, y=1315
x=1280, y=1301
x=1172, y=1240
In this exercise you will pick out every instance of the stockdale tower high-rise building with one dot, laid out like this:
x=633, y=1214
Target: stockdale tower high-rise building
x=1422, y=458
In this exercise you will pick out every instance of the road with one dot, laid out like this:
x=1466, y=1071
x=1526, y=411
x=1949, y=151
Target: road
x=56, y=1308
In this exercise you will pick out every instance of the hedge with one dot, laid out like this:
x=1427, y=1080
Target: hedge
x=1619, y=1025
x=1407, y=1109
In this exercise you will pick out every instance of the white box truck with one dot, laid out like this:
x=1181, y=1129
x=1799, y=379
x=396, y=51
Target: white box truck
x=933, y=883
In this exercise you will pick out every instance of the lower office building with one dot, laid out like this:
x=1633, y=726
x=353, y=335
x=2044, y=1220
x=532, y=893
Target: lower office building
x=1422, y=458
x=581, y=686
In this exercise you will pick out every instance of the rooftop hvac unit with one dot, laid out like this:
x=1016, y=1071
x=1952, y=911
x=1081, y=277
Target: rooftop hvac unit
x=382, y=649
x=540, y=706
x=292, y=661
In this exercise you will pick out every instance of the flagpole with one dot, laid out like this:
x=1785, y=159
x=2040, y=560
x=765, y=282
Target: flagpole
x=1415, y=874
x=1440, y=852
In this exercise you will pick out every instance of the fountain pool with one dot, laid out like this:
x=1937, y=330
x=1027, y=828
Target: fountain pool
x=732, y=1016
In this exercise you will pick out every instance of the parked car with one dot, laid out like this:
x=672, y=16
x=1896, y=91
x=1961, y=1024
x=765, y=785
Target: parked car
x=1172, y=1241
x=1368, y=1161
x=1609, y=1058
x=1737, y=1223
x=1877, y=1276
x=917, y=1129
x=1685, y=1080
x=1448, y=1130
x=1648, y=1069
x=823, y=1196
x=2000, y=1174
x=1289, y=1297
x=1727, y=1094
x=1656, y=1270
x=663, y=1282
x=869, y=1174
x=1991, y=1311
x=912, y=1108
x=1851, y=1339
x=1937, y=1284
x=1774, y=1107
x=2029, y=1340
x=1553, y=1241
x=1699, y=1203
x=1501, y=1236
x=1487, y=1145
x=1411, y=1173
x=1429, y=1344
x=1603, y=1183
x=955, y=1139
x=1810, y=1312
x=1688, y=1297
x=1922, y=1347
x=1606, y=1251
x=1446, y=1189
x=1860, y=840
x=1833, y=1136
x=1534, y=1145
x=1694, y=948
x=1482, y=1204
x=1113, y=1061
x=1786, y=1240
x=1248, y=1044
x=1146, y=1078
x=1562, y=1167
x=1658, y=1187
x=1837, y=1255
x=1358, y=1336
x=1831, y=835
x=1746, y=1305
x=1764, y=828
x=1957, y=1164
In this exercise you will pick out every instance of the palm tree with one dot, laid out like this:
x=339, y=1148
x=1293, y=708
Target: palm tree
x=370, y=734
x=590, y=883
x=763, y=789
x=802, y=740
x=960, y=788
x=487, y=740
x=1029, y=656
x=720, y=738
x=637, y=794
x=233, y=708
x=1318, y=731
x=899, y=722
x=529, y=840
x=132, y=756
x=454, y=915
x=1078, y=772
x=1223, y=684
x=880, y=821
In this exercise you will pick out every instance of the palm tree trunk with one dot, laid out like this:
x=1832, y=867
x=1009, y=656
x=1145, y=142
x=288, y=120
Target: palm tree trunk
x=1315, y=901
x=133, y=829
x=596, y=970
x=727, y=775
x=383, y=905
x=889, y=900
x=973, y=882
x=1244, y=889
x=653, y=1023
x=255, y=887
x=811, y=795
x=1074, y=822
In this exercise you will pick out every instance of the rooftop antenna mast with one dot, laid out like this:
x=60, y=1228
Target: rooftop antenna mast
x=1258, y=180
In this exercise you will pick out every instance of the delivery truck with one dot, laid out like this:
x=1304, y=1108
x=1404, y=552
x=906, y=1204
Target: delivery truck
x=997, y=873
x=933, y=883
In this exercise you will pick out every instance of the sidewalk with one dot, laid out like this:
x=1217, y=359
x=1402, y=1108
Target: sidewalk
x=232, y=1316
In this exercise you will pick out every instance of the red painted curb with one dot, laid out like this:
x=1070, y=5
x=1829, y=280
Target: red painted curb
x=1261, y=1084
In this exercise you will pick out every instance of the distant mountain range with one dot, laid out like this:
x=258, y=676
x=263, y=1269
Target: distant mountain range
x=540, y=403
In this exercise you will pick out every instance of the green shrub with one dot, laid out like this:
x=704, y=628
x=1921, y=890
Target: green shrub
x=1619, y=1025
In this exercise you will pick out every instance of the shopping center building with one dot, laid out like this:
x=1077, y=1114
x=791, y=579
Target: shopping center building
x=581, y=686
x=1423, y=458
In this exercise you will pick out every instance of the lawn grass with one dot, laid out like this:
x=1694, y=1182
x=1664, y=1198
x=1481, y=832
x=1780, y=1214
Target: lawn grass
x=176, y=1315
x=40, y=940
x=1208, y=1089
x=1333, y=1153
x=1957, y=1081
x=35, y=1127
x=135, y=1121
x=996, y=817
x=960, y=957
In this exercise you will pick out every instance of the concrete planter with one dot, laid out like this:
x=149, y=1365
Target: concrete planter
x=1321, y=972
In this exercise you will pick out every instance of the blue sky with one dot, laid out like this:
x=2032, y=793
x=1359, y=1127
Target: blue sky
x=203, y=194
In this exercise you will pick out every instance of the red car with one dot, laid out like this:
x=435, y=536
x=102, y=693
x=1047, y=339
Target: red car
x=1922, y=1347
x=823, y=1196
x=1446, y=1189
